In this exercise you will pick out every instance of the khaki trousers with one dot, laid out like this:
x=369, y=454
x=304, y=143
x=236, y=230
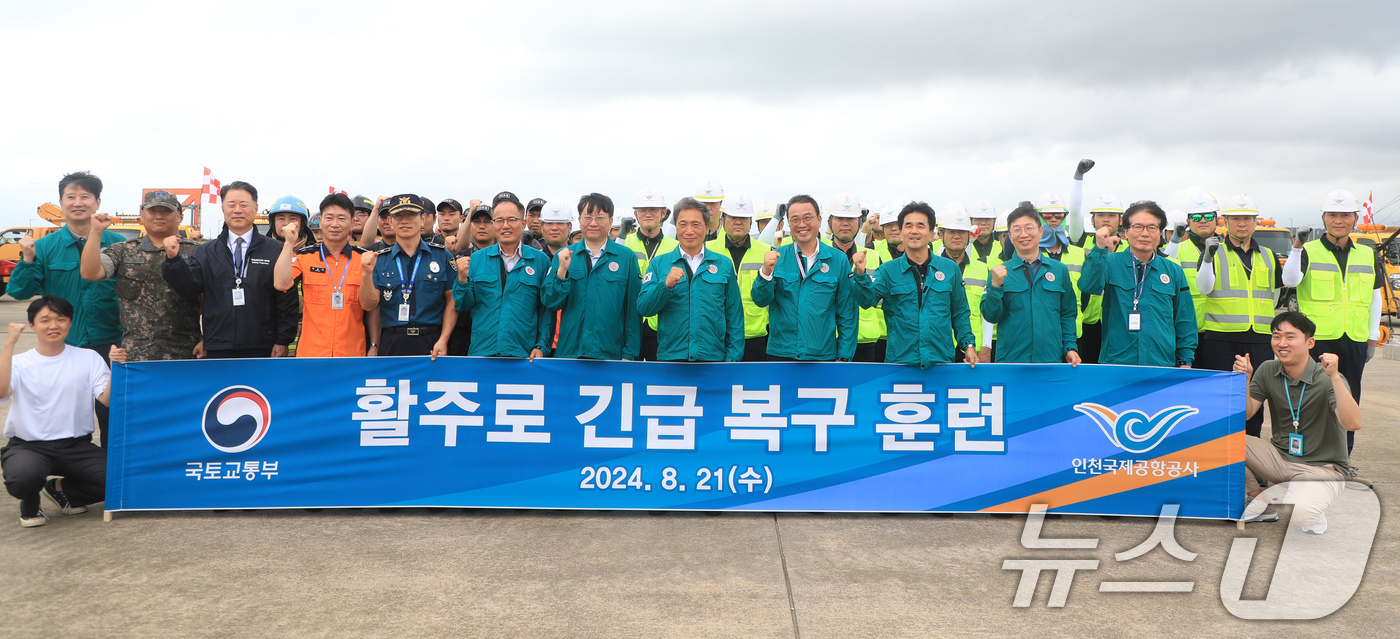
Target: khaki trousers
x=1311, y=488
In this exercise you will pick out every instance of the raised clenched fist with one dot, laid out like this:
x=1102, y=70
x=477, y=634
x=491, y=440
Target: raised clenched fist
x=675, y=276
x=566, y=257
x=172, y=246
x=998, y=274
x=291, y=232
x=1243, y=366
x=367, y=260
x=770, y=262
x=1301, y=236
x=26, y=246
x=15, y=329
x=100, y=221
x=1105, y=239
x=858, y=261
x=1329, y=363
x=463, y=263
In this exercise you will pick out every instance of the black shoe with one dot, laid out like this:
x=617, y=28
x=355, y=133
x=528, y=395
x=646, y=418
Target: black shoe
x=67, y=507
x=1263, y=517
x=30, y=515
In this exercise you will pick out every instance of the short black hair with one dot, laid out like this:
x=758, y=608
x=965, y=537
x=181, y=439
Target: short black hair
x=1024, y=209
x=84, y=180
x=596, y=202
x=691, y=204
x=805, y=199
x=338, y=199
x=1147, y=206
x=238, y=185
x=916, y=207
x=51, y=302
x=1296, y=319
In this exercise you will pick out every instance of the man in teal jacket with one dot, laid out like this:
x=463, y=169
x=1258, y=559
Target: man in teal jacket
x=1149, y=318
x=596, y=282
x=924, y=302
x=806, y=287
x=49, y=266
x=509, y=318
x=694, y=294
x=1031, y=299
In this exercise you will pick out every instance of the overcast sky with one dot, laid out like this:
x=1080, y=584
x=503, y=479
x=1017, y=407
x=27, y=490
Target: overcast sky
x=947, y=101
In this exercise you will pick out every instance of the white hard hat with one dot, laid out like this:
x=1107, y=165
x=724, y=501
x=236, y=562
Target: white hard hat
x=1240, y=205
x=574, y=227
x=844, y=205
x=889, y=213
x=767, y=211
x=896, y=205
x=649, y=198
x=554, y=211
x=1107, y=203
x=955, y=218
x=1050, y=202
x=1002, y=221
x=738, y=205
x=1176, y=216
x=1202, y=203
x=983, y=208
x=1340, y=201
x=710, y=191
x=878, y=208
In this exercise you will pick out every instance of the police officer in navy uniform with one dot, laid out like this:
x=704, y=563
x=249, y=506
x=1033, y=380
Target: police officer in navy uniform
x=410, y=282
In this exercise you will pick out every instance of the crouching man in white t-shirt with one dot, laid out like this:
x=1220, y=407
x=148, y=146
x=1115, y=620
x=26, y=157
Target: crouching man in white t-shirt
x=50, y=424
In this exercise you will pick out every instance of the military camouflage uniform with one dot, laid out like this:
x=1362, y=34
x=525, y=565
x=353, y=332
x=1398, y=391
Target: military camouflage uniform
x=159, y=324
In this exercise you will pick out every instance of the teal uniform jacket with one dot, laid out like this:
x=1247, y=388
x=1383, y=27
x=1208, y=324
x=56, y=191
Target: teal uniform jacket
x=919, y=333
x=1035, y=321
x=599, y=319
x=508, y=320
x=812, y=318
x=1168, y=316
x=54, y=271
x=701, y=319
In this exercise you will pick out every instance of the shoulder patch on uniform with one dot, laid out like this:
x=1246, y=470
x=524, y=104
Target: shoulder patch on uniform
x=436, y=245
x=385, y=250
x=646, y=278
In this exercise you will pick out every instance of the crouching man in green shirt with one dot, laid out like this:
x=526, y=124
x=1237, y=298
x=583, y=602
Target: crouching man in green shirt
x=1312, y=410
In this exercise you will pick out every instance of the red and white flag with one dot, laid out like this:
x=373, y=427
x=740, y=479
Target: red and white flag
x=1369, y=207
x=335, y=190
x=210, y=194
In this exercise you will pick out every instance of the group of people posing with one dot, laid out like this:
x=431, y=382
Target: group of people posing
x=694, y=281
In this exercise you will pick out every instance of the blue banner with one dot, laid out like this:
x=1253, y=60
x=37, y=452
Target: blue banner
x=485, y=432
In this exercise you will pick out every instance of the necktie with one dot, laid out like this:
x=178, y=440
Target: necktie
x=237, y=256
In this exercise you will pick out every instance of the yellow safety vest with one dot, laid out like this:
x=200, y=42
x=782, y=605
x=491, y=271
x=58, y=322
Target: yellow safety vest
x=1073, y=259
x=1189, y=258
x=1339, y=303
x=755, y=316
x=872, y=320
x=1093, y=309
x=1240, y=303
x=634, y=242
x=975, y=278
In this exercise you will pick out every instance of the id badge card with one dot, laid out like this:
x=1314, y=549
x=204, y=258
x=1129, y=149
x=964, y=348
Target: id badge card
x=1295, y=444
x=337, y=301
x=238, y=297
x=1134, y=321
x=403, y=312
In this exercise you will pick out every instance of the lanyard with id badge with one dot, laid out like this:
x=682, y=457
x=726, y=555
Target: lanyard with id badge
x=1295, y=440
x=240, y=271
x=406, y=285
x=1139, y=282
x=337, y=299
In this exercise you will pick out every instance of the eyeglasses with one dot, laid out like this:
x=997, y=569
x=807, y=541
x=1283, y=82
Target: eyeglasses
x=1202, y=217
x=502, y=221
x=1150, y=228
x=1025, y=230
x=593, y=218
x=805, y=219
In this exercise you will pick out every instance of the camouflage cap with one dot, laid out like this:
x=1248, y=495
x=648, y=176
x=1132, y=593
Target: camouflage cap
x=160, y=198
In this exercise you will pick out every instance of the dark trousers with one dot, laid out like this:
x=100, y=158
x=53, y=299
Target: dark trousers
x=1219, y=355
x=27, y=465
x=102, y=410
x=393, y=344
x=1091, y=343
x=870, y=352
x=1351, y=360
x=756, y=349
x=239, y=353
x=648, y=349
x=460, y=342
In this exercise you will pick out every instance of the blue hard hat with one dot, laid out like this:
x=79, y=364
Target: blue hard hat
x=289, y=204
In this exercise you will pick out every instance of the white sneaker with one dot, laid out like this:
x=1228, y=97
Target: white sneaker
x=38, y=519
x=1318, y=528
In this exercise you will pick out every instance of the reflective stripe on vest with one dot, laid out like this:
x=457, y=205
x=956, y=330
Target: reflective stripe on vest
x=1339, y=303
x=755, y=316
x=1189, y=257
x=1239, y=304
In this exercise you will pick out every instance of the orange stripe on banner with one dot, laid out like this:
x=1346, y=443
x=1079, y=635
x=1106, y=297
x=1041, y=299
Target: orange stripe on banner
x=1208, y=456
